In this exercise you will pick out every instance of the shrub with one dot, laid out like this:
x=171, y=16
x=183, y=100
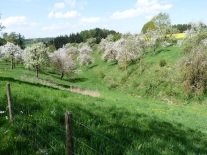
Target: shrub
x=102, y=74
x=193, y=70
x=163, y=63
x=113, y=85
x=191, y=42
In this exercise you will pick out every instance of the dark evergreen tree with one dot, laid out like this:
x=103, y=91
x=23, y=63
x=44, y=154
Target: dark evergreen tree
x=83, y=36
x=182, y=27
x=2, y=41
x=15, y=38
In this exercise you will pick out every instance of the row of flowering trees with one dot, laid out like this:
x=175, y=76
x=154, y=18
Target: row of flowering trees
x=64, y=58
x=123, y=51
x=38, y=55
x=132, y=47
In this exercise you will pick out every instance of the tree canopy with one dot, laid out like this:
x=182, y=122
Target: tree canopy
x=2, y=41
x=83, y=36
x=1, y=26
x=161, y=21
x=15, y=38
x=36, y=56
x=148, y=26
x=182, y=27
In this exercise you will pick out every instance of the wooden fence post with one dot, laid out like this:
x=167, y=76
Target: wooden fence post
x=69, y=133
x=9, y=98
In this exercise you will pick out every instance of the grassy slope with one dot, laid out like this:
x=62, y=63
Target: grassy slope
x=133, y=124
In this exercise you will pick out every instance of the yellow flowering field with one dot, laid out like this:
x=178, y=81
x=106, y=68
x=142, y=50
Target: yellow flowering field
x=178, y=35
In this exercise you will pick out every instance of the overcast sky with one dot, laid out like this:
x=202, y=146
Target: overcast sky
x=50, y=18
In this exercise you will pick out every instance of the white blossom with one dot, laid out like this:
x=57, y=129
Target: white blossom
x=84, y=57
x=112, y=49
x=36, y=56
x=165, y=44
x=63, y=61
x=204, y=42
x=11, y=52
x=2, y=112
x=128, y=51
x=104, y=43
x=196, y=27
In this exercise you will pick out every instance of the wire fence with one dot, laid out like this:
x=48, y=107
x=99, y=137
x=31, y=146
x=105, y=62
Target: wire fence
x=50, y=138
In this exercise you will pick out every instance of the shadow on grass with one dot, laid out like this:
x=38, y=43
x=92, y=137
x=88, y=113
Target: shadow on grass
x=9, y=79
x=72, y=80
x=162, y=50
x=93, y=66
x=129, y=133
x=113, y=63
x=76, y=80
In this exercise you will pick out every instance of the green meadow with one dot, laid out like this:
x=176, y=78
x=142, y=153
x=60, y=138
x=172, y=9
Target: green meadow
x=140, y=110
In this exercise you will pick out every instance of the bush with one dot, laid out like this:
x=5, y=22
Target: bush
x=193, y=71
x=194, y=41
x=162, y=63
x=113, y=85
x=102, y=74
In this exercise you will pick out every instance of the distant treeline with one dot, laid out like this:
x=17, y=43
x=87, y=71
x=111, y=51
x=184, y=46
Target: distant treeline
x=96, y=33
x=182, y=27
x=57, y=42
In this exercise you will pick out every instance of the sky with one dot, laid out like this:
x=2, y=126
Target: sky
x=52, y=18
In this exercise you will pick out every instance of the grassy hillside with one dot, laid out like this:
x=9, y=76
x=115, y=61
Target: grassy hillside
x=141, y=110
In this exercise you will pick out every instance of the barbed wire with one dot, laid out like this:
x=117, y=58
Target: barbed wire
x=52, y=137
x=45, y=141
x=97, y=133
x=42, y=139
x=29, y=136
x=48, y=133
x=26, y=112
x=87, y=145
x=40, y=148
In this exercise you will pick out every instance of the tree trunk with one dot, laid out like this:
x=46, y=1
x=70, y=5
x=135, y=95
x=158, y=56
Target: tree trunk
x=144, y=51
x=12, y=63
x=154, y=50
x=37, y=71
x=62, y=74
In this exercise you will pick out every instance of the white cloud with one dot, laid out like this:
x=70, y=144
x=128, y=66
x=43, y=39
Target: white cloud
x=14, y=20
x=82, y=4
x=90, y=20
x=68, y=14
x=145, y=3
x=19, y=24
x=70, y=2
x=143, y=7
x=126, y=14
x=55, y=27
x=59, y=5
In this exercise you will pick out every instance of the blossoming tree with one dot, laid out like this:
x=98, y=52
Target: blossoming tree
x=84, y=57
x=63, y=61
x=128, y=52
x=12, y=52
x=36, y=56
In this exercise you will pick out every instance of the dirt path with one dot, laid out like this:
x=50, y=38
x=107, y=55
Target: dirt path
x=86, y=92
x=58, y=86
